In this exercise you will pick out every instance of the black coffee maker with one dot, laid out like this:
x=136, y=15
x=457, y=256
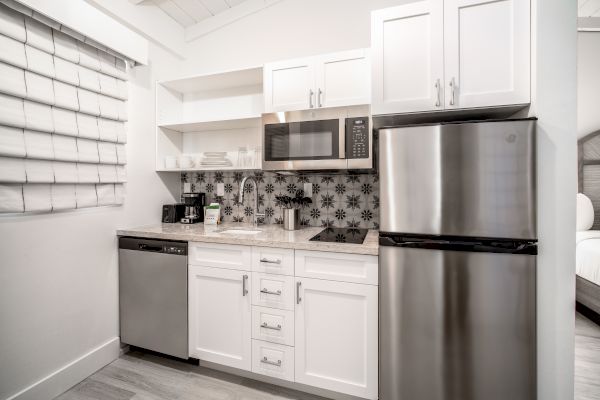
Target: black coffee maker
x=194, y=207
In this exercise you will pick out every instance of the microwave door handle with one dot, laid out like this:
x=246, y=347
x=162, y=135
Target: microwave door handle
x=342, y=139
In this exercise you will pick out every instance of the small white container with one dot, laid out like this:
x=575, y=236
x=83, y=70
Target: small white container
x=170, y=162
x=186, y=161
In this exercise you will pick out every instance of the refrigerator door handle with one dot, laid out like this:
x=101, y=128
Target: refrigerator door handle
x=479, y=246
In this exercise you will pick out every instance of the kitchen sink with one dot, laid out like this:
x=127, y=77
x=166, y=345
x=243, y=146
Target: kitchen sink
x=241, y=231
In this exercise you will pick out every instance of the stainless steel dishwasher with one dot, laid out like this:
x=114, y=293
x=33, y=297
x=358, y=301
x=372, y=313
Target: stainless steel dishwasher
x=153, y=295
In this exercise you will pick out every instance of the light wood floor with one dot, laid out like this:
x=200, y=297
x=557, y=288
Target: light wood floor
x=587, y=359
x=140, y=376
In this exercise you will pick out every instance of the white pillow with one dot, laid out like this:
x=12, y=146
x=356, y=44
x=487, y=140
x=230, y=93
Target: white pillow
x=585, y=212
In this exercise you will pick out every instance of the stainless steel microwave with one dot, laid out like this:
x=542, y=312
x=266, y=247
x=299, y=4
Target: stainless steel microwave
x=330, y=139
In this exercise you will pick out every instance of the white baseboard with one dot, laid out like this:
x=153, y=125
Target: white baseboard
x=71, y=374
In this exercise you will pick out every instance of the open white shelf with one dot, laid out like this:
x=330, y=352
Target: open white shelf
x=210, y=112
x=212, y=125
x=234, y=168
x=217, y=81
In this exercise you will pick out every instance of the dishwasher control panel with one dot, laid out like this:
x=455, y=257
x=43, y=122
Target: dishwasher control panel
x=154, y=246
x=175, y=250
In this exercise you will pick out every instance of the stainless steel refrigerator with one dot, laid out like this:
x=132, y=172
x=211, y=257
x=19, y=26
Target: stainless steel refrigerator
x=458, y=261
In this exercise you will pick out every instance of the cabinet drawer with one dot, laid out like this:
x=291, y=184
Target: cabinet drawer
x=273, y=359
x=220, y=255
x=271, y=290
x=343, y=267
x=273, y=325
x=273, y=261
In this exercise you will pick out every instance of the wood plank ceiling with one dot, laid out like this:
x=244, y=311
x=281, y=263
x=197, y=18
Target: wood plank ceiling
x=190, y=12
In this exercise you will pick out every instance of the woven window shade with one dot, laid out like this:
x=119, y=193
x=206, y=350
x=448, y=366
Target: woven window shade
x=63, y=116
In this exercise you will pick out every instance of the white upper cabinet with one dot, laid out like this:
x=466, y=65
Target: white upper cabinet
x=220, y=314
x=336, y=336
x=343, y=79
x=330, y=80
x=450, y=54
x=289, y=85
x=408, y=57
x=487, y=52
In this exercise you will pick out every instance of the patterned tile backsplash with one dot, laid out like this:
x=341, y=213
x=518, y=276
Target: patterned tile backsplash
x=343, y=200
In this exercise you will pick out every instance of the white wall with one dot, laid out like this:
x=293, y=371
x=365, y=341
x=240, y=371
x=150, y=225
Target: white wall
x=58, y=272
x=588, y=83
x=554, y=102
x=296, y=28
x=288, y=29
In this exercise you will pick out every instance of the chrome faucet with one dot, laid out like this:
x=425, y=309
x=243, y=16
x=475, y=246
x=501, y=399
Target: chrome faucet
x=255, y=213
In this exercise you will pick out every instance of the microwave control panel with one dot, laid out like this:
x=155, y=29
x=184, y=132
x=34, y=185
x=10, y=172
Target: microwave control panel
x=357, y=137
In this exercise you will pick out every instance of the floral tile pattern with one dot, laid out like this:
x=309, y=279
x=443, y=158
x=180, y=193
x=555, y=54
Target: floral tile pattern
x=343, y=200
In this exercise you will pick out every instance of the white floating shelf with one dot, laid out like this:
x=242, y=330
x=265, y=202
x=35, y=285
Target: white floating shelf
x=225, y=124
x=217, y=80
x=196, y=169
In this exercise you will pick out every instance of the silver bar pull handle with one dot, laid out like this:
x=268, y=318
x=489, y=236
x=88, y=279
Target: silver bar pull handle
x=310, y=98
x=298, y=298
x=452, y=90
x=265, y=360
x=244, y=280
x=267, y=326
x=266, y=260
x=319, y=97
x=266, y=291
x=438, y=88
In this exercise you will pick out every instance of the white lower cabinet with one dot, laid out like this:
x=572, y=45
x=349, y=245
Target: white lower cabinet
x=220, y=316
x=273, y=359
x=276, y=291
x=273, y=325
x=336, y=336
x=317, y=328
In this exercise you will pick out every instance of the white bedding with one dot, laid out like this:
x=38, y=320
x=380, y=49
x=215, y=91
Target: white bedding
x=588, y=255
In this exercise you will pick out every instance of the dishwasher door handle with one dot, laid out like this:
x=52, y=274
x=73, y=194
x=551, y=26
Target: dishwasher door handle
x=149, y=247
x=244, y=280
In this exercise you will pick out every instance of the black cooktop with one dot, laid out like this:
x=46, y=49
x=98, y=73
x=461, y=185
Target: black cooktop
x=341, y=235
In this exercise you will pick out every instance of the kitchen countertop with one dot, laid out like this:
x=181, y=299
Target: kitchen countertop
x=270, y=236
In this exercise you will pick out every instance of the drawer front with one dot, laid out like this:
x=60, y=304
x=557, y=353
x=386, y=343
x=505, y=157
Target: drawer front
x=273, y=359
x=343, y=267
x=273, y=325
x=220, y=256
x=273, y=261
x=271, y=290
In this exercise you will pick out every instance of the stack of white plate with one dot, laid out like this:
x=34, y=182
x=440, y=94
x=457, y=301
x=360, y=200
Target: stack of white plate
x=215, y=159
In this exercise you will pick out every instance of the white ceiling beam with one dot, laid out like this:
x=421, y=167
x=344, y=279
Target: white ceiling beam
x=588, y=24
x=147, y=20
x=226, y=17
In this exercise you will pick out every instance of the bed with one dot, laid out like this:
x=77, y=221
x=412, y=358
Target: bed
x=588, y=227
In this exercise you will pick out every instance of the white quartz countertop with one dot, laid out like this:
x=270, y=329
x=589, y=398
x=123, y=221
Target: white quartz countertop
x=269, y=236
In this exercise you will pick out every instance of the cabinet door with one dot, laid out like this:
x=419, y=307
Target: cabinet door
x=336, y=336
x=220, y=316
x=289, y=85
x=408, y=58
x=344, y=79
x=486, y=46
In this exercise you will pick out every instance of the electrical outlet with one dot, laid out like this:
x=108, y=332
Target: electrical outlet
x=187, y=187
x=220, y=189
x=308, y=189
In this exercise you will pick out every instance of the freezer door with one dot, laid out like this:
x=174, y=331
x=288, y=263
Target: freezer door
x=456, y=325
x=468, y=179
